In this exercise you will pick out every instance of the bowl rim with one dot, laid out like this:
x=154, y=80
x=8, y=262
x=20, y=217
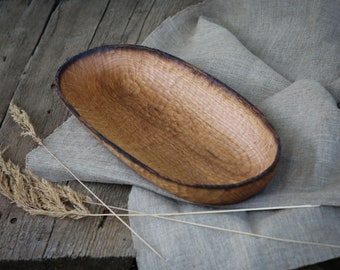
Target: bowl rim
x=196, y=71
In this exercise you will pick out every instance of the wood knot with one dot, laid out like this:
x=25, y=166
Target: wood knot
x=13, y=220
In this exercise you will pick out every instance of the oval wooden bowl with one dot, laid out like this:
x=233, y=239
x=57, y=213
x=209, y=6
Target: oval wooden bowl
x=175, y=125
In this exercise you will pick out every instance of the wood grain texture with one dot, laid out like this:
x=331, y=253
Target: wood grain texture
x=174, y=124
x=36, y=38
x=154, y=17
x=66, y=33
x=19, y=36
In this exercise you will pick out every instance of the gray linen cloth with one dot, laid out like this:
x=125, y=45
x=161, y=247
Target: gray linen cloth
x=284, y=57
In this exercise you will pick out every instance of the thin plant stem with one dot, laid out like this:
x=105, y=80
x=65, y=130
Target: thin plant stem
x=253, y=234
x=136, y=214
x=162, y=216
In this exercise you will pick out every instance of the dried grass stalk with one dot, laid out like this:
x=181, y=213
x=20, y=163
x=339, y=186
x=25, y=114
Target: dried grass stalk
x=39, y=197
x=23, y=120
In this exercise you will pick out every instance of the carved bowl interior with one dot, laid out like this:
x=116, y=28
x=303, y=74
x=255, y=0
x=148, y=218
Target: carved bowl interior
x=172, y=123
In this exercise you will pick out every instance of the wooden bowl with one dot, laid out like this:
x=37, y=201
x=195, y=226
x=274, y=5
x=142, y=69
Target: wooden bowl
x=172, y=123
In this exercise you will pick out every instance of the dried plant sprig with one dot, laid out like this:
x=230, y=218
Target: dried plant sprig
x=23, y=120
x=38, y=196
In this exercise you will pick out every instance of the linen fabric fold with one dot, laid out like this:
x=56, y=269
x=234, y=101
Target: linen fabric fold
x=283, y=56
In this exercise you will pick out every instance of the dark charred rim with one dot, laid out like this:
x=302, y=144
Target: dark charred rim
x=196, y=71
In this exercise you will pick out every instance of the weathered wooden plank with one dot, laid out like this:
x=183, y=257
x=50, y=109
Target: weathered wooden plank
x=113, y=26
x=136, y=23
x=70, y=29
x=19, y=35
x=135, y=20
x=122, y=22
x=155, y=17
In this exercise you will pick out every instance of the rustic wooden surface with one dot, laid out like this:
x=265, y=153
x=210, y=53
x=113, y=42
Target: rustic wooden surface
x=36, y=37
